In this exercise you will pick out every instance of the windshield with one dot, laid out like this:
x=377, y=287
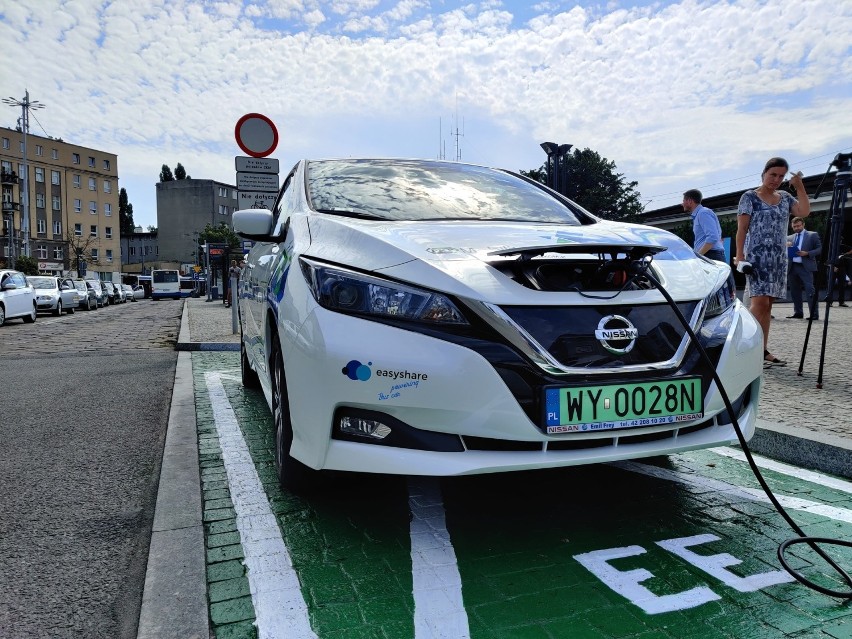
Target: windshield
x=430, y=190
x=80, y=286
x=42, y=282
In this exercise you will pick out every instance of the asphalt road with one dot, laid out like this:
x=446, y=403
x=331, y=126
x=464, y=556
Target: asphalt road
x=84, y=403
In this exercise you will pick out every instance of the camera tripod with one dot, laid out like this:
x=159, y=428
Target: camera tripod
x=832, y=237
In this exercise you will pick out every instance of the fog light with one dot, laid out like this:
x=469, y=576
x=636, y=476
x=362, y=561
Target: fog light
x=364, y=427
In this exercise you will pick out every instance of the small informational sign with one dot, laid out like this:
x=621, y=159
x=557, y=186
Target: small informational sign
x=256, y=135
x=256, y=200
x=256, y=165
x=257, y=182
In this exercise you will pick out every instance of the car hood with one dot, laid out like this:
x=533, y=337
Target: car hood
x=453, y=256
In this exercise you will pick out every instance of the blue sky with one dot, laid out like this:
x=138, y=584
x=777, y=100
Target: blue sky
x=678, y=94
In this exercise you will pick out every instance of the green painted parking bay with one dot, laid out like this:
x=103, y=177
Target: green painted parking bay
x=676, y=547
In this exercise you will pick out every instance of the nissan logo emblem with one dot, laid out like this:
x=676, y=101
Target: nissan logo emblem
x=616, y=334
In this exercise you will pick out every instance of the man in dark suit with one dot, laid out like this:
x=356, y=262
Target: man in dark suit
x=803, y=247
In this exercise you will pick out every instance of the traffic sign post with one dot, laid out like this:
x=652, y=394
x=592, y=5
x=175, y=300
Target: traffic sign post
x=257, y=175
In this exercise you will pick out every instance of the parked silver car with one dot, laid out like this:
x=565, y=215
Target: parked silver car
x=88, y=297
x=54, y=294
x=130, y=295
x=100, y=292
x=17, y=297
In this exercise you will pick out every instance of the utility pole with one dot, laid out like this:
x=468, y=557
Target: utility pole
x=24, y=188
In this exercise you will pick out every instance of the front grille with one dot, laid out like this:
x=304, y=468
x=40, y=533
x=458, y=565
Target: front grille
x=568, y=333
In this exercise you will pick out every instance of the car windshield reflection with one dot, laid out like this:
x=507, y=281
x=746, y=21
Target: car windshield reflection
x=417, y=190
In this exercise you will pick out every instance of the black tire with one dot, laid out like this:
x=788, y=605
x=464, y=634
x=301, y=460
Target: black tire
x=2, y=315
x=293, y=475
x=70, y=311
x=58, y=310
x=29, y=319
x=249, y=376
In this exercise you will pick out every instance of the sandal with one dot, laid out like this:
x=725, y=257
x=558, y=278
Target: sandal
x=771, y=360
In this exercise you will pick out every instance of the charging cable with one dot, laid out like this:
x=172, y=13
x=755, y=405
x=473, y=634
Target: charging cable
x=641, y=267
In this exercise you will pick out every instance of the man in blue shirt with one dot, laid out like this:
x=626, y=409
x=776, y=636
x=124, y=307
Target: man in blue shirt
x=705, y=227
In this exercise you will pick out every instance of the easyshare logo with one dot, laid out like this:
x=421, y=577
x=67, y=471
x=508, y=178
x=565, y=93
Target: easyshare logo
x=356, y=370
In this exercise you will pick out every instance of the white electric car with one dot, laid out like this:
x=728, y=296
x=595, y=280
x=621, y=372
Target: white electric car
x=435, y=318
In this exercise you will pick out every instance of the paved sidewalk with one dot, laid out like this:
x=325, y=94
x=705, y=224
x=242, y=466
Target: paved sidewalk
x=798, y=423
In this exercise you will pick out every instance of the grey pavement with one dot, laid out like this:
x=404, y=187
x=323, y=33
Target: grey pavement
x=798, y=423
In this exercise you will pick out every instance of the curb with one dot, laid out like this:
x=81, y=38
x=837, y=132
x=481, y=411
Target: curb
x=802, y=447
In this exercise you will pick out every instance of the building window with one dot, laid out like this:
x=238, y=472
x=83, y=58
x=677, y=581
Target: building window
x=55, y=154
x=41, y=251
x=39, y=200
x=58, y=253
x=133, y=250
x=78, y=206
x=93, y=230
x=41, y=226
x=5, y=143
x=78, y=230
x=91, y=161
x=109, y=255
x=57, y=228
x=93, y=208
x=39, y=149
x=39, y=173
x=106, y=165
x=6, y=166
x=94, y=255
x=76, y=181
x=75, y=158
x=93, y=185
x=57, y=206
x=54, y=177
x=107, y=186
x=107, y=209
x=108, y=232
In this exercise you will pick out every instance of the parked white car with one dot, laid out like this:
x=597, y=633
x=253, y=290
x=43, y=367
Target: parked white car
x=17, y=297
x=436, y=318
x=55, y=294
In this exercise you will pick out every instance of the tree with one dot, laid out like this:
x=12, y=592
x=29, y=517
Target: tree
x=593, y=183
x=26, y=265
x=79, y=250
x=166, y=174
x=221, y=234
x=125, y=214
x=180, y=172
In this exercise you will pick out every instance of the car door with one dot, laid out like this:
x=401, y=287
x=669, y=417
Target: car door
x=260, y=265
x=19, y=299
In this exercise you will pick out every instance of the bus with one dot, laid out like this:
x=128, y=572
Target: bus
x=165, y=283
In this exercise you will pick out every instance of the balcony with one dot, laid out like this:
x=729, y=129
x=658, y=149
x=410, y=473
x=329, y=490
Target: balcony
x=10, y=207
x=8, y=178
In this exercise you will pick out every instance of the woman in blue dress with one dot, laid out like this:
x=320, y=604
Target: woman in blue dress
x=762, y=218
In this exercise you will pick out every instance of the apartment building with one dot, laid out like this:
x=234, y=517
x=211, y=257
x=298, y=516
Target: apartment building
x=73, y=205
x=184, y=209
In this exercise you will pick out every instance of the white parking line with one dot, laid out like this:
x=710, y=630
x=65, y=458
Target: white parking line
x=438, y=603
x=280, y=609
x=785, y=469
x=756, y=494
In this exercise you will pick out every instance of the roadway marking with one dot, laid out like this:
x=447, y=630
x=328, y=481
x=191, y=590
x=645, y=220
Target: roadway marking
x=438, y=603
x=280, y=609
x=755, y=494
x=786, y=469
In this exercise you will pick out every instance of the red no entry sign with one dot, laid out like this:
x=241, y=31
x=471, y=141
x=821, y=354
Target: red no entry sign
x=256, y=134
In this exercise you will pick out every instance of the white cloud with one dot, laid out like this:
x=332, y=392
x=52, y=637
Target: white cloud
x=670, y=93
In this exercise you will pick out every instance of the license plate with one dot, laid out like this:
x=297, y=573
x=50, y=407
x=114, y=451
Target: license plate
x=588, y=408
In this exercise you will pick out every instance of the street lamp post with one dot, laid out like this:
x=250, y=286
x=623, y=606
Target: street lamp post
x=557, y=175
x=26, y=105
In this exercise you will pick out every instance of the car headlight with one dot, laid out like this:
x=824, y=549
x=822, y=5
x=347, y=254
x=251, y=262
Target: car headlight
x=349, y=292
x=721, y=299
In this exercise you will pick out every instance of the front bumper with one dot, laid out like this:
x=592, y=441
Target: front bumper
x=483, y=395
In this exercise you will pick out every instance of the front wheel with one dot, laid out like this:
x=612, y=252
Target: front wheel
x=29, y=319
x=70, y=310
x=58, y=310
x=293, y=475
